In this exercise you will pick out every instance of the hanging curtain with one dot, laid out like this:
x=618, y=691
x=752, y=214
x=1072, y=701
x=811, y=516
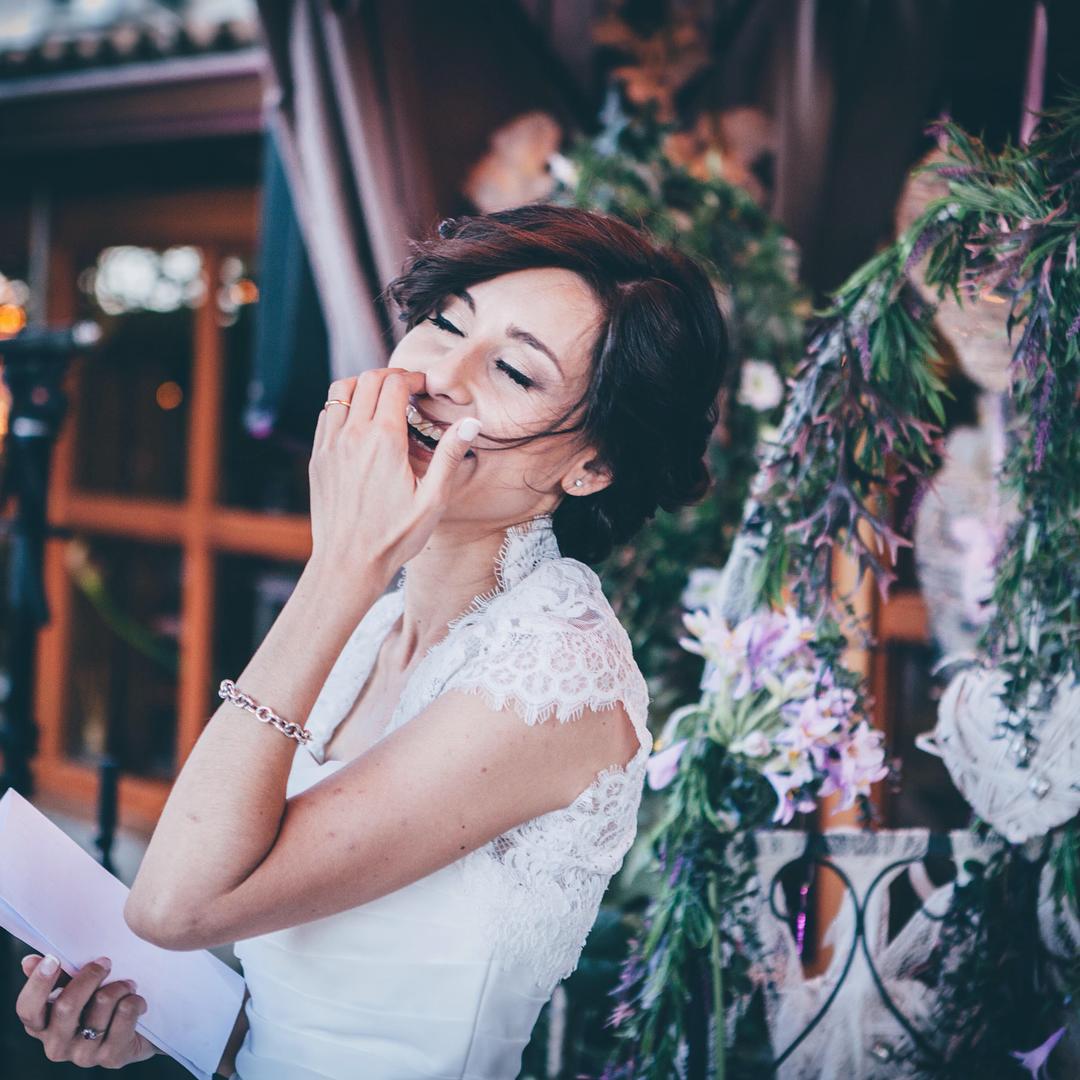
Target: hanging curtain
x=290, y=371
x=344, y=123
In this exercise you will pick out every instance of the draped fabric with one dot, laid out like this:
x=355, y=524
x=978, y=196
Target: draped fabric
x=345, y=124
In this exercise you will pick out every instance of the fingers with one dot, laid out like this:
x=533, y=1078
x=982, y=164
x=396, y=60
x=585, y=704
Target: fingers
x=332, y=416
x=98, y=1013
x=32, y=1004
x=394, y=391
x=112, y=1009
x=68, y=1008
x=373, y=384
x=363, y=393
x=436, y=484
x=116, y=1047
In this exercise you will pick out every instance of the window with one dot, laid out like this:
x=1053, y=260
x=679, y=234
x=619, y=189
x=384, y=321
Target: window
x=188, y=533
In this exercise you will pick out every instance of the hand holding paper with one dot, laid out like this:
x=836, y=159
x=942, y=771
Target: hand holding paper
x=57, y=899
x=111, y=1009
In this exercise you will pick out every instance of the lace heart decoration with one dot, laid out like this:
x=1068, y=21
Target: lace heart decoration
x=1020, y=803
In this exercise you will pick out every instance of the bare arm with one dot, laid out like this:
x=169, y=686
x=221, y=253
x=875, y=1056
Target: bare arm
x=451, y=779
x=226, y=806
x=368, y=517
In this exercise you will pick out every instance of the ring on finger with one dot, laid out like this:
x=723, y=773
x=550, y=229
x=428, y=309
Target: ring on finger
x=90, y=1033
x=337, y=401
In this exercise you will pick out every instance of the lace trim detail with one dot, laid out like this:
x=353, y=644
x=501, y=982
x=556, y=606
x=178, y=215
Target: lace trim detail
x=553, y=647
x=524, y=547
x=540, y=885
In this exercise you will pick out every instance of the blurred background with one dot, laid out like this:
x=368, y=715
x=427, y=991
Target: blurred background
x=226, y=187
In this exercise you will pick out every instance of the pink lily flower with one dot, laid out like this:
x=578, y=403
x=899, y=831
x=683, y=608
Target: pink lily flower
x=662, y=766
x=1035, y=1060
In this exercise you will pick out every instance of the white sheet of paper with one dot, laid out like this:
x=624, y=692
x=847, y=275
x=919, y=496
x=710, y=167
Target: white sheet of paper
x=58, y=899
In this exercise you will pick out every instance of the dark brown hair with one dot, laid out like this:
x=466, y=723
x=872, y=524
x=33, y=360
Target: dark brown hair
x=657, y=364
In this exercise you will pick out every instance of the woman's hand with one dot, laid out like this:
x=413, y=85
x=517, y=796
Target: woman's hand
x=112, y=1010
x=367, y=504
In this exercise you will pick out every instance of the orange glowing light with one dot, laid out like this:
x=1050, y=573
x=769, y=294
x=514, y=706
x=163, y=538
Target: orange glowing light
x=169, y=395
x=5, y=405
x=12, y=319
x=244, y=291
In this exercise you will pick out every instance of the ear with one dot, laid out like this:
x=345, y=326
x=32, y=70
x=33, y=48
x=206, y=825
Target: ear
x=593, y=474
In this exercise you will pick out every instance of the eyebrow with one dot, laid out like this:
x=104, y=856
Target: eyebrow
x=516, y=332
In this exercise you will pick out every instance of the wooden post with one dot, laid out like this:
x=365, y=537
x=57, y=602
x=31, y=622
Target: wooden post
x=204, y=456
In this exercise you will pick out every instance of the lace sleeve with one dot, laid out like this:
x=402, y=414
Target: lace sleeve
x=555, y=648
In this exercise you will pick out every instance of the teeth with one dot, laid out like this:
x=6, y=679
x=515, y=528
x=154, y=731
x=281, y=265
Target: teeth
x=425, y=427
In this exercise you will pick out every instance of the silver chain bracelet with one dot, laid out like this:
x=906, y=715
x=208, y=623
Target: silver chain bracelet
x=228, y=691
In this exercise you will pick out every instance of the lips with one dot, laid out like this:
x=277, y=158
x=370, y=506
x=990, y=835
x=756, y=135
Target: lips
x=423, y=425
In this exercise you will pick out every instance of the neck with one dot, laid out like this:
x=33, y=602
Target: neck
x=455, y=567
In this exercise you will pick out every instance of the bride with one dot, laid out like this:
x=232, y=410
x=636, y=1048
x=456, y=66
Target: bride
x=407, y=876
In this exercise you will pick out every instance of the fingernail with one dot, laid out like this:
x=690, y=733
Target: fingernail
x=469, y=429
x=49, y=965
x=103, y=961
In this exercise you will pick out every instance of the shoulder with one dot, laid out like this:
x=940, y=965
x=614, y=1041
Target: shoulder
x=563, y=593
x=553, y=644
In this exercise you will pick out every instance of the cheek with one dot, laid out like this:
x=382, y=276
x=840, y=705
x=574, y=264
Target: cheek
x=535, y=465
x=409, y=353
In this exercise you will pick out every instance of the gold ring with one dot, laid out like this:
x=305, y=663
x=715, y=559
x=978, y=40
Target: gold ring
x=337, y=401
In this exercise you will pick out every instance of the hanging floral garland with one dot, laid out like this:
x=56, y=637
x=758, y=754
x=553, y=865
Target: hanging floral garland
x=626, y=171
x=781, y=722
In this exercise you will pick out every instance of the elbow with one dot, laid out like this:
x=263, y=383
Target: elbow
x=167, y=926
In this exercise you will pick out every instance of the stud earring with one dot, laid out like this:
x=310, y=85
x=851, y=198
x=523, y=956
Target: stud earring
x=578, y=482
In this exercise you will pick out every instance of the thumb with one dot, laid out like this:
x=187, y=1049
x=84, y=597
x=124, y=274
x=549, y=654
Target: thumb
x=449, y=454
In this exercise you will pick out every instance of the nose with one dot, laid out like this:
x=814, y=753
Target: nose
x=448, y=375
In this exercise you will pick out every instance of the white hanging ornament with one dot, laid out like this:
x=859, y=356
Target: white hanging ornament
x=1020, y=803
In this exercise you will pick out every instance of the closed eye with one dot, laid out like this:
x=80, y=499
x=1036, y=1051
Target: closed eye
x=518, y=377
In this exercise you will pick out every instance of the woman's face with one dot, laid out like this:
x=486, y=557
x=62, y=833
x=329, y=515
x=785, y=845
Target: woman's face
x=514, y=352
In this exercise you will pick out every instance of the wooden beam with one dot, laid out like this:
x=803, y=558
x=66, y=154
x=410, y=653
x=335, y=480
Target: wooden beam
x=204, y=455
x=162, y=101
x=54, y=640
x=285, y=536
x=903, y=617
x=212, y=216
x=152, y=520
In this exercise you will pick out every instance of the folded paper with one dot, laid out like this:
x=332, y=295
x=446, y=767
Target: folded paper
x=58, y=899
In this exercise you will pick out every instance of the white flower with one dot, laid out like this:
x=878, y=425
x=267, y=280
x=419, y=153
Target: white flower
x=760, y=387
x=756, y=744
x=702, y=586
x=564, y=170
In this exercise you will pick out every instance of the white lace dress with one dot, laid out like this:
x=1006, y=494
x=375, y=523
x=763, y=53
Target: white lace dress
x=446, y=976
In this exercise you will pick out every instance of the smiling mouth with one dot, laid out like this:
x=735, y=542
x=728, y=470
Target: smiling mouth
x=424, y=431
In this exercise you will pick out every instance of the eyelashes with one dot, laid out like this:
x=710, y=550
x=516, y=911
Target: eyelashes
x=521, y=379
x=517, y=376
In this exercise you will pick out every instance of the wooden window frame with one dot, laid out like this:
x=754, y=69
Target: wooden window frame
x=202, y=529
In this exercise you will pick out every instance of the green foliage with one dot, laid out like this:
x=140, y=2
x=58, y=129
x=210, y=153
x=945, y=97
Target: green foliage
x=865, y=412
x=1012, y=226
x=624, y=172
x=988, y=959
